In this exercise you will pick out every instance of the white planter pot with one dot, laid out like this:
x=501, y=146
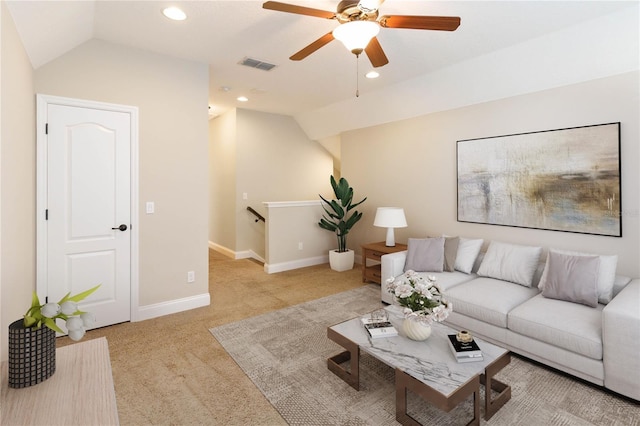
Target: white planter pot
x=341, y=261
x=415, y=330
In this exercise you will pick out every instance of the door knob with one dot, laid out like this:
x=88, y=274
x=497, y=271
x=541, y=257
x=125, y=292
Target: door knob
x=122, y=227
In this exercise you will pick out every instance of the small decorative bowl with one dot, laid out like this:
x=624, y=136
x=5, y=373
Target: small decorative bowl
x=464, y=336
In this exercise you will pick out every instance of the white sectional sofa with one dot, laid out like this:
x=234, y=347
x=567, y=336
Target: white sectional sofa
x=600, y=344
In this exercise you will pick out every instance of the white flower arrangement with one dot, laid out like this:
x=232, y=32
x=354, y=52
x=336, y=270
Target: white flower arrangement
x=421, y=297
x=66, y=309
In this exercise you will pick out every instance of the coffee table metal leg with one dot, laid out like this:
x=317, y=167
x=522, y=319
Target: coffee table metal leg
x=492, y=405
x=352, y=354
x=405, y=382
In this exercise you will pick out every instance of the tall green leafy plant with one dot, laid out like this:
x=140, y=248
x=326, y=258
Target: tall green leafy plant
x=338, y=217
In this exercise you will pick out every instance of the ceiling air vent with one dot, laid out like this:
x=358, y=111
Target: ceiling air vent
x=256, y=63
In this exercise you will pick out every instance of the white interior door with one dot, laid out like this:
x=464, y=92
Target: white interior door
x=87, y=227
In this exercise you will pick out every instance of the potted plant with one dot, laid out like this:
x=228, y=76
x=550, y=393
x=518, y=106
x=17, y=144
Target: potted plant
x=339, y=218
x=32, y=340
x=422, y=301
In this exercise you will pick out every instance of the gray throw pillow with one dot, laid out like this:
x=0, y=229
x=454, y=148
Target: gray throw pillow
x=572, y=278
x=606, y=274
x=425, y=254
x=450, y=253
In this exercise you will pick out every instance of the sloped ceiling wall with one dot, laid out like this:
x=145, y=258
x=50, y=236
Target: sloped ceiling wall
x=601, y=47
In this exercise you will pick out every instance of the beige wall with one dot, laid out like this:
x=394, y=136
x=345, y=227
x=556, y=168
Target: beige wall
x=412, y=164
x=274, y=161
x=298, y=240
x=332, y=144
x=17, y=178
x=171, y=95
x=222, y=178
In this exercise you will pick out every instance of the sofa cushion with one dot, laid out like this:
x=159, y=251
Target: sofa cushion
x=572, y=278
x=618, y=284
x=576, y=328
x=468, y=251
x=450, y=253
x=447, y=280
x=425, y=255
x=488, y=299
x=538, y=274
x=510, y=262
x=606, y=274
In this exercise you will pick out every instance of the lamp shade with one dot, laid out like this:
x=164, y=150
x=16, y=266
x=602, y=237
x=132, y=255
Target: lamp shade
x=356, y=35
x=390, y=218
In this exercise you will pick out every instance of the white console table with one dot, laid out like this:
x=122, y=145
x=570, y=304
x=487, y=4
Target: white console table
x=80, y=392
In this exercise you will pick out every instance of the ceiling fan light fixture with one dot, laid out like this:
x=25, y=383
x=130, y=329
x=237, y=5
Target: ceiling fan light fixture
x=369, y=6
x=174, y=13
x=356, y=35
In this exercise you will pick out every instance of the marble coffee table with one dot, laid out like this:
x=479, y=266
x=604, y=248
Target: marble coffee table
x=426, y=368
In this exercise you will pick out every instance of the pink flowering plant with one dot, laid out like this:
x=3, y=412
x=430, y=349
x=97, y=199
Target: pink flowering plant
x=420, y=296
x=66, y=309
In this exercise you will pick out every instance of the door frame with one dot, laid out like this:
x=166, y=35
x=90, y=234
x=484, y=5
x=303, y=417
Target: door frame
x=42, y=102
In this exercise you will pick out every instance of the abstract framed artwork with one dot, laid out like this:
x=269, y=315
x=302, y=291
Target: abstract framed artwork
x=560, y=180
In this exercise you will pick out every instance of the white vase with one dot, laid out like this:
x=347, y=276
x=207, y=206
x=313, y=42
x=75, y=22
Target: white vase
x=341, y=261
x=416, y=330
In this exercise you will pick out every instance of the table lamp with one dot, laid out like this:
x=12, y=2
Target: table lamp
x=390, y=218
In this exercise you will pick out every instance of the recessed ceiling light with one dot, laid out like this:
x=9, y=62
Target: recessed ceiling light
x=174, y=13
x=242, y=98
x=372, y=74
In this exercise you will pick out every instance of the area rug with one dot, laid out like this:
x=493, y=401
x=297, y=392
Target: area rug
x=284, y=353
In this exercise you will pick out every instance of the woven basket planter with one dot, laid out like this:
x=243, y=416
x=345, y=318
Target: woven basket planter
x=32, y=354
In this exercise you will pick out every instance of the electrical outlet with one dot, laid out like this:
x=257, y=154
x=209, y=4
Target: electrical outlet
x=191, y=276
x=300, y=245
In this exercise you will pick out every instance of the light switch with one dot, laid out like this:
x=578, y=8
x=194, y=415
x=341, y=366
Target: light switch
x=150, y=207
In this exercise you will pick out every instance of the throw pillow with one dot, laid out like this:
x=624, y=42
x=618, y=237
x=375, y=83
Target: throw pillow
x=510, y=262
x=572, y=278
x=450, y=252
x=425, y=255
x=606, y=273
x=467, y=253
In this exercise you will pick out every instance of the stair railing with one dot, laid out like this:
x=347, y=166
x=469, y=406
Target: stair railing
x=257, y=215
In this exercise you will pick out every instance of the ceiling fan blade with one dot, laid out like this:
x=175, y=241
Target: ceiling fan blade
x=440, y=23
x=376, y=54
x=300, y=10
x=327, y=38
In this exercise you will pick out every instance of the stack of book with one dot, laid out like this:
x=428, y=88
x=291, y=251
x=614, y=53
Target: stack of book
x=377, y=328
x=464, y=351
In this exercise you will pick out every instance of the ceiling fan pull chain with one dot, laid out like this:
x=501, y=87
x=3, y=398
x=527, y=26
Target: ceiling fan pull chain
x=357, y=76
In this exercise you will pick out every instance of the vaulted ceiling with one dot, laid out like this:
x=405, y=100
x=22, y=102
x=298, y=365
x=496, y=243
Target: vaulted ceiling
x=222, y=33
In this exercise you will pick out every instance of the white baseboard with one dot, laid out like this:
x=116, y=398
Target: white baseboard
x=245, y=254
x=275, y=267
x=221, y=249
x=249, y=254
x=173, y=306
x=295, y=264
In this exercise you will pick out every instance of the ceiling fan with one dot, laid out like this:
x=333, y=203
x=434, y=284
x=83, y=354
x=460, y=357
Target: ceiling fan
x=359, y=25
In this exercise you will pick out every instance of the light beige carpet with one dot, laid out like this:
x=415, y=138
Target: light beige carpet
x=170, y=371
x=284, y=353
